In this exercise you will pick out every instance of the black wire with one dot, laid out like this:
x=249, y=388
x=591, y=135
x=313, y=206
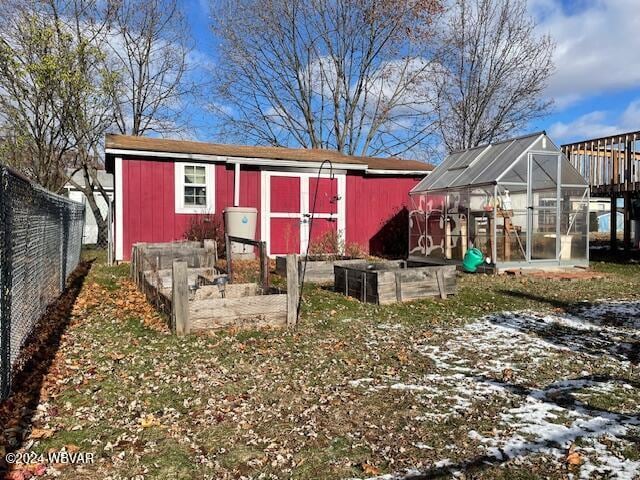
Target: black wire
x=313, y=212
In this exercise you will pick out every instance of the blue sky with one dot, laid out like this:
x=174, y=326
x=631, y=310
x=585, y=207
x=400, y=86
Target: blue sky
x=596, y=84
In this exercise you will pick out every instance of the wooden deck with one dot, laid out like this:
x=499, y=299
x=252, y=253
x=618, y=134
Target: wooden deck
x=612, y=167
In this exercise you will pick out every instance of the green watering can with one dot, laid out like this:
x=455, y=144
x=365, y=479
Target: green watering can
x=472, y=260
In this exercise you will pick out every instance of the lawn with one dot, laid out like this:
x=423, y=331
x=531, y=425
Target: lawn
x=427, y=389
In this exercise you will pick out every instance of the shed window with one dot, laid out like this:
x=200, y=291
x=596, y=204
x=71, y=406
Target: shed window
x=194, y=188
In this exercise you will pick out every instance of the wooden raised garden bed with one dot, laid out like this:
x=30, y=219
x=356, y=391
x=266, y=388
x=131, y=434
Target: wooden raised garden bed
x=319, y=267
x=193, y=301
x=384, y=284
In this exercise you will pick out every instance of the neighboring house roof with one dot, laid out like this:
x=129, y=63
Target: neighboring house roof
x=105, y=179
x=115, y=144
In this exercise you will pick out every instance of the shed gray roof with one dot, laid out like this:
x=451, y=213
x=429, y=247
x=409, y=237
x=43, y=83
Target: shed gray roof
x=480, y=165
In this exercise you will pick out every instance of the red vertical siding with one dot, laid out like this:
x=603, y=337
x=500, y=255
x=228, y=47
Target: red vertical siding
x=148, y=189
x=374, y=204
x=376, y=208
x=250, y=192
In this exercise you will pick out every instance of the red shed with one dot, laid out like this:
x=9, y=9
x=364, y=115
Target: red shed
x=365, y=200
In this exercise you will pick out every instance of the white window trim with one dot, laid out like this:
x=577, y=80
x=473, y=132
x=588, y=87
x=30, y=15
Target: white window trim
x=209, y=172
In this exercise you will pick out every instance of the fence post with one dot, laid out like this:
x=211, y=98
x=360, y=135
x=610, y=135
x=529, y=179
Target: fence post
x=132, y=265
x=227, y=248
x=180, y=298
x=61, y=262
x=5, y=284
x=293, y=287
x=211, y=251
x=264, y=266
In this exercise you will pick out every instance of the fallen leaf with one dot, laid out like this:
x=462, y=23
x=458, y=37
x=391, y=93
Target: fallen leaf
x=149, y=421
x=574, y=459
x=370, y=469
x=402, y=356
x=38, y=433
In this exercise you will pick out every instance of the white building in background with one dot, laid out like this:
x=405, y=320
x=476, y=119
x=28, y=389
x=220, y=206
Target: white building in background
x=90, y=234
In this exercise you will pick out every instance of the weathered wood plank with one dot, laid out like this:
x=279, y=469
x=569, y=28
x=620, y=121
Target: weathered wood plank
x=392, y=284
x=322, y=271
x=180, y=298
x=211, y=250
x=293, y=293
x=245, y=312
x=232, y=290
x=227, y=251
x=441, y=285
x=164, y=276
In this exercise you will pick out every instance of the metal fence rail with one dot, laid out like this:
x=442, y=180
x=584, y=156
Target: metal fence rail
x=40, y=242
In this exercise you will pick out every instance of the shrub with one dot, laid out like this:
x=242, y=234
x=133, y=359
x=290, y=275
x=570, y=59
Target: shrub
x=331, y=246
x=206, y=227
x=328, y=243
x=354, y=250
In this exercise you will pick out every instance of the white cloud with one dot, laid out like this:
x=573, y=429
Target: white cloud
x=630, y=118
x=597, y=46
x=596, y=124
x=590, y=125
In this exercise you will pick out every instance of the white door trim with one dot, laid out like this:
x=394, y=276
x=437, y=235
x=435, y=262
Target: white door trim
x=265, y=218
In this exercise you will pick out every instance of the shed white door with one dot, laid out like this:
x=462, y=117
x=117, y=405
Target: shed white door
x=288, y=201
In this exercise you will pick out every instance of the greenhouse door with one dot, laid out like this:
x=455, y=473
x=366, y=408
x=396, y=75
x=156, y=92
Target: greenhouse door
x=543, y=205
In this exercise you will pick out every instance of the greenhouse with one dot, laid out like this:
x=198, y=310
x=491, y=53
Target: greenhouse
x=520, y=202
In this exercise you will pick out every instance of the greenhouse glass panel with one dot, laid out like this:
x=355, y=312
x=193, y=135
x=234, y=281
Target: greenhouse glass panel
x=511, y=224
x=569, y=175
x=417, y=225
x=519, y=173
x=480, y=219
x=574, y=223
x=544, y=172
x=434, y=242
x=456, y=226
x=518, y=201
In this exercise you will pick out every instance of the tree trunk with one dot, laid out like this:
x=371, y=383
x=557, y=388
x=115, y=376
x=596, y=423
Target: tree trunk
x=90, y=194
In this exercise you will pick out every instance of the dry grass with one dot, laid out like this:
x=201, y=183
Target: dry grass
x=356, y=391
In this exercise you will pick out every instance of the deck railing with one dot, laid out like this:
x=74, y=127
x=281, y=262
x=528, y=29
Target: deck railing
x=610, y=164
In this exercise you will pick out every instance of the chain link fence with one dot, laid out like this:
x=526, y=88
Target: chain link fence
x=40, y=242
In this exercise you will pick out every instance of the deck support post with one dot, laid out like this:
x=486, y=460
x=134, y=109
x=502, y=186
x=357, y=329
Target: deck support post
x=613, y=223
x=180, y=299
x=627, y=221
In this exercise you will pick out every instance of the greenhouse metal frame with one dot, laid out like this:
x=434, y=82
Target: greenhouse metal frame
x=519, y=201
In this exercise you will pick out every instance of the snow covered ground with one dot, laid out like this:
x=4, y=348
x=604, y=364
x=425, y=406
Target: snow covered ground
x=538, y=369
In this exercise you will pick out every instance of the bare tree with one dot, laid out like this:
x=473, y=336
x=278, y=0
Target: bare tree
x=89, y=105
x=33, y=80
x=494, y=70
x=343, y=74
x=55, y=100
x=150, y=47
